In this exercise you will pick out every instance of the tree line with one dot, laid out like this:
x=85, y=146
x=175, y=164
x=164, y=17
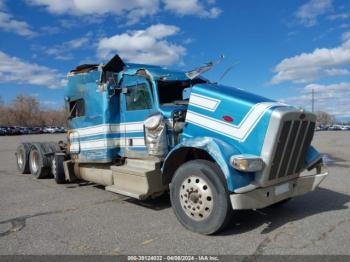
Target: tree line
x=25, y=110
x=323, y=118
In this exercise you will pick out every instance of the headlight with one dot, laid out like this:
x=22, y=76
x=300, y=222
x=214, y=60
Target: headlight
x=153, y=121
x=247, y=163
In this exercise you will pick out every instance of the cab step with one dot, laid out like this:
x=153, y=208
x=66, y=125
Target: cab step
x=133, y=170
x=149, y=163
x=126, y=192
x=137, y=178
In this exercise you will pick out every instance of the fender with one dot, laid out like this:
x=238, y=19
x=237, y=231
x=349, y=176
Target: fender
x=218, y=150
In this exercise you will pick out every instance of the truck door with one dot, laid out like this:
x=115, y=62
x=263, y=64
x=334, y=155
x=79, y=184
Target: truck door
x=136, y=106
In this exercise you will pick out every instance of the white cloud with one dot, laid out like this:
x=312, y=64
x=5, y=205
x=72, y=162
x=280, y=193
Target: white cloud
x=188, y=41
x=15, y=70
x=344, y=25
x=322, y=62
x=192, y=7
x=340, y=16
x=308, y=13
x=64, y=50
x=332, y=98
x=50, y=30
x=77, y=21
x=305, y=75
x=320, y=56
x=346, y=36
x=327, y=89
x=77, y=43
x=144, y=46
x=9, y=24
x=134, y=10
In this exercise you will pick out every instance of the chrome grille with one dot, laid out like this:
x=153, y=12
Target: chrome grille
x=292, y=145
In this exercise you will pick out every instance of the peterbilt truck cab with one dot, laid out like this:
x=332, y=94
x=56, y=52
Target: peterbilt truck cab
x=142, y=131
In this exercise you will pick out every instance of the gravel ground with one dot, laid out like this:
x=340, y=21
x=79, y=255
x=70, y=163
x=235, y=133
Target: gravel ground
x=41, y=217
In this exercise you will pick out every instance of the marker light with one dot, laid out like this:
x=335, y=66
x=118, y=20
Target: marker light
x=228, y=118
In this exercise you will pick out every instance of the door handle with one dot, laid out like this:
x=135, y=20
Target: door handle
x=130, y=142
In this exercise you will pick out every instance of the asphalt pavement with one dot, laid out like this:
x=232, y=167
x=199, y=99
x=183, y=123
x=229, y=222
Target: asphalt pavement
x=40, y=217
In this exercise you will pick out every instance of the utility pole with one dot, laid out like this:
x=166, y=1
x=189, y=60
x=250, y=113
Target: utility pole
x=313, y=101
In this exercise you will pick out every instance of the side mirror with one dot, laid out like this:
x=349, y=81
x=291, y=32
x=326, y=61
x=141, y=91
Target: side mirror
x=125, y=90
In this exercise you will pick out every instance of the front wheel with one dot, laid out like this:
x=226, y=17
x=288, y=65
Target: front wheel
x=199, y=197
x=57, y=168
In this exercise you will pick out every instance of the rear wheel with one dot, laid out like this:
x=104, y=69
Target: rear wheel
x=199, y=197
x=38, y=162
x=22, y=157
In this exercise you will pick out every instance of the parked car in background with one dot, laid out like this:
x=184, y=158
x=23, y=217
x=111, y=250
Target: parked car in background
x=49, y=130
x=13, y=130
x=9, y=131
x=61, y=130
x=334, y=128
x=24, y=130
x=54, y=129
x=36, y=130
x=3, y=131
x=321, y=128
x=30, y=130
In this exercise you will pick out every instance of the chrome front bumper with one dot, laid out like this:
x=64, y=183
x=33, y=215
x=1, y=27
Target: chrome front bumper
x=263, y=197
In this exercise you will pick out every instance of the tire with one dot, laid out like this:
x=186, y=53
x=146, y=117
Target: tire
x=22, y=158
x=54, y=146
x=199, y=197
x=39, y=164
x=57, y=169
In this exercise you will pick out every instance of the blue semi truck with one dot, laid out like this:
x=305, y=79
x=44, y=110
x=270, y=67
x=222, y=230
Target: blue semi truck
x=142, y=130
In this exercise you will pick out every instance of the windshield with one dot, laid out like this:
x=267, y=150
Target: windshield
x=172, y=91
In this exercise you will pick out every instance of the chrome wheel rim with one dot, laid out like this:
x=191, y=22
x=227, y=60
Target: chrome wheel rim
x=196, y=198
x=20, y=158
x=34, y=161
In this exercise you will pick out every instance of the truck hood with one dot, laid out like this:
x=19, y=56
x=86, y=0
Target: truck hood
x=229, y=114
x=232, y=101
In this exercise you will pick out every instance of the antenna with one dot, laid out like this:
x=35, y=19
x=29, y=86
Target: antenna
x=227, y=71
x=313, y=101
x=202, y=69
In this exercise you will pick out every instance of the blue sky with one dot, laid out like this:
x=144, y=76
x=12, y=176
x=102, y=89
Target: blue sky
x=284, y=48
